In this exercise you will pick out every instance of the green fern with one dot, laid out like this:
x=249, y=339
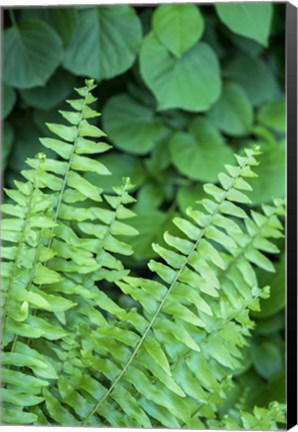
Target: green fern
x=72, y=355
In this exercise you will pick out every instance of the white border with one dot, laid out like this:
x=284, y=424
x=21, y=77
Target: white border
x=14, y=3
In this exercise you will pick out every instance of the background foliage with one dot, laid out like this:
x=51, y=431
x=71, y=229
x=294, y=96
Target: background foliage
x=181, y=88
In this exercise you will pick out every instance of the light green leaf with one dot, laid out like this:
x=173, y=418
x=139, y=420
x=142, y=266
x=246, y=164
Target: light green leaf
x=67, y=133
x=273, y=115
x=131, y=126
x=191, y=82
x=23, y=329
x=88, y=130
x=260, y=260
x=34, y=45
x=155, y=351
x=21, y=399
x=64, y=150
x=44, y=275
x=111, y=47
x=178, y=26
x=276, y=281
x=131, y=407
x=50, y=331
x=252, y=20
x=17, y=416
x=86, y=146
x=57, y=411
x=82, y=163
x=83, y=186
x=232, y=113
x=193, y=153
x=270, y=182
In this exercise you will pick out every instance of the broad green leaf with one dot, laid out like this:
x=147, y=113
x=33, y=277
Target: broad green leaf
x=178, y=26
x=8, y=101
x=268, y=359
x=188, y=195
x=25, y=144
x=8, y=135
x=252, y=20
x=193, y=153
x=273, y=115
x=191, y=82
x=259, y=84
x=120, y=165
x=276, y=301
x=248, y=46
x=111, y=47
x=270, y=182
x=150, y=226
x=232, y=113
x=131, y=126
x=37, y=48
x=150, y=196
x=55, y=91
x=63, y=20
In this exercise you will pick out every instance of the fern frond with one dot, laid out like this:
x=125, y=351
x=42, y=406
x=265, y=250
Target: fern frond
x=49, y=269
x=72, y=355
x=151, y=362
x=271, y=418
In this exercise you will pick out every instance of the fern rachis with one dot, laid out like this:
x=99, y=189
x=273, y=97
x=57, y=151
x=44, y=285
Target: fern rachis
x=167, y=362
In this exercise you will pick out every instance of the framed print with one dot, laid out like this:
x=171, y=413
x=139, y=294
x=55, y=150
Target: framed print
x=149, y=215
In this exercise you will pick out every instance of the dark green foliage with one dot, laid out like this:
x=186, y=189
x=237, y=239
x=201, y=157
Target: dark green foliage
x=91, y=335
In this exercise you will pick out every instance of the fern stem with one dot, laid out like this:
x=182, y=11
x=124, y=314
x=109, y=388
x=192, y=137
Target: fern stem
x=187, y=258
x=57, y=211
x=68, y=169
x=20, y=243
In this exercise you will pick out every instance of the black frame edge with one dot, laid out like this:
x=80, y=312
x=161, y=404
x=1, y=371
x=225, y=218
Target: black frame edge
x=291, y=320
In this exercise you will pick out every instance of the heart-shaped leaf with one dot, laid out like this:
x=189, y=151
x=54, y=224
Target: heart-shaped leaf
x=191, y=82
x=132, y=126
x=201, y=153
x=105, y=43
x=178, y=26
x=232, y=113
x=247, y=19
x=55, y=91
x=37, y=48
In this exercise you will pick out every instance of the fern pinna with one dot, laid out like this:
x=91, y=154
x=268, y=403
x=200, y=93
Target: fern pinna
x=71, y=354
